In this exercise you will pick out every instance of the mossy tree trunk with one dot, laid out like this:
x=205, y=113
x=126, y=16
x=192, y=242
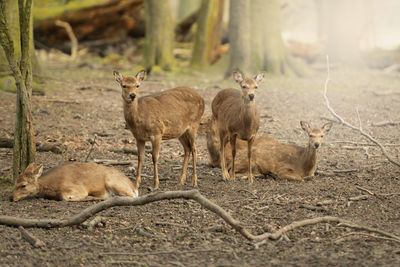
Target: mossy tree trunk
x=24, y=144
x=268, y=50
x=239, y=36
x=186, y=7
x=208, y=35
x=159, y=35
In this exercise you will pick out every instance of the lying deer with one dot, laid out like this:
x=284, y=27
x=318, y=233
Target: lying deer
x=279, y=160
x=73, y=182
x=236, y=116
x=173, y=113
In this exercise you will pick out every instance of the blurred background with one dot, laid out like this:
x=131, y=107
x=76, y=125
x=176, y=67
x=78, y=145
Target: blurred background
x=282, y=37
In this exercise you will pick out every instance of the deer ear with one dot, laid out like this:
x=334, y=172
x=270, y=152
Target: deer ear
x=141, y=75
x=305, y=126
x=259, y=77
x=327, y=127
x=38, y=172
x=30, y=167
x=118, y=76
x=237, y=76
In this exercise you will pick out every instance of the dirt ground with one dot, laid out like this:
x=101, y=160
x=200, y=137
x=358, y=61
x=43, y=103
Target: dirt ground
x=87, y=102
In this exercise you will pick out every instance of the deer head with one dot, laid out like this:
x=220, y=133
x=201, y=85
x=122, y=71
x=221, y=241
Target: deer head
x=249, y=86
x=129, y=85
x=27, y=182
x=315, y=134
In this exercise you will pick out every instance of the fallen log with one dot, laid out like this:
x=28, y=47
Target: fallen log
x=112, y=20
x=41, y=147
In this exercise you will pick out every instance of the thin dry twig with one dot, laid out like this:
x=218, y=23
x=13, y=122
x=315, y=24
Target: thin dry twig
x=365, y=234
x=342, y=121
x=192, y=194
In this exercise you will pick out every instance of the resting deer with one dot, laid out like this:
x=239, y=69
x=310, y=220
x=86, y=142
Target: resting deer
x=236, y=116
x=73, y=182
x=285, y=161
x=173, y=113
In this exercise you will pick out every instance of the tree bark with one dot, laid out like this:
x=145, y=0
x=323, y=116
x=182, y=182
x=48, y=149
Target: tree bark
x=159, y=35
x=272, y=54
x=239, y=36
x=208, y=35
x=24, y=145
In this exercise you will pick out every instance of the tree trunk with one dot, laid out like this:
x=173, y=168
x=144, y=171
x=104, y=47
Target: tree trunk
x=239, y=36
x=341, y=26
x=187, y=7
x=208, y=35
x=159, y=35
x=268, y=51
x=24, y=145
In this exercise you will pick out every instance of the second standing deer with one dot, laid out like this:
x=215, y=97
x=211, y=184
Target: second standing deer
x=173, y=113
x=236, y=116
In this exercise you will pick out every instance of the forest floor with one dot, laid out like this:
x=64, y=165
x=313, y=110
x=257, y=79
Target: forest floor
x=86, y=102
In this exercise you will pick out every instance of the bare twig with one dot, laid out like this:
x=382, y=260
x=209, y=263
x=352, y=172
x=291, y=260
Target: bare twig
x=365, y=234
x=33, y=240
x=376, y=194
x=192, y=194
x=71, y=35
x=357, y=198
x=91, y=147
x=385, y=123
x=112, y=162
x=342, y=121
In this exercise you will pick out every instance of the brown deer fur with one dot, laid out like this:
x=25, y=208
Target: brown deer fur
x=280, y=160
x=236, y=116
x=73, y=182
x=173, y=113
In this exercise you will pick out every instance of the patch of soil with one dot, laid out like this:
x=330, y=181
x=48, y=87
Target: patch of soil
x=181, y=233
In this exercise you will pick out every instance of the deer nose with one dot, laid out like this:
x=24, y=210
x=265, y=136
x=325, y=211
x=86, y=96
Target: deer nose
x=132, y=96
x=316, y=145
x=251, y=97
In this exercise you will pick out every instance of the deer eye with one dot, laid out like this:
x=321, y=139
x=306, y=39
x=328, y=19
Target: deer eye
x=137, y=85
x=256, y=87
x=124, y=86
x=22, y=186
x=310, y=135
x=244, y=86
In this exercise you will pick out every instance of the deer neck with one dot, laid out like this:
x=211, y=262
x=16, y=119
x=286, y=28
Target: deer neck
x=248, y=112
x=309, y=160
x=131, y=112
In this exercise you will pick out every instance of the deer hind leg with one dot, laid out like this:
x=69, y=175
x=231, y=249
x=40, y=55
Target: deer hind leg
x=118, y=186
x=184, y=139
x=192, y=141
x=75, y=194
x=155, y=143
x=249, y=155
x=233, y=146
x=223, y=142
x=140, y=148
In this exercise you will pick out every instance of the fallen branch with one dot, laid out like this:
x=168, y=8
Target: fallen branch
x=192, y=194
x=342, y=121
x=385, y=123
x=376, y=194
x=112, y=162
x=41, y=147
x=71, y=35
x=33, y=240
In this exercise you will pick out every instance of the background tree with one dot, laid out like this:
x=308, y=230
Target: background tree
x=12, y=18
x=341, y=26
x=255, y=27
x=186, y=7
x=239, y=36
x=24, y=144
x=208, y=35
x=159, y=35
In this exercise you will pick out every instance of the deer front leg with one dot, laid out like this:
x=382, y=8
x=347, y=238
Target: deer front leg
x=233, y=146
x=249, y=155
x=223, y=141
x=155, y=143
x=186, y=146
x=140, y=148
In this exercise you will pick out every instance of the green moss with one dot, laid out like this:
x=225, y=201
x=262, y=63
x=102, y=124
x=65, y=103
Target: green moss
x=7, y=84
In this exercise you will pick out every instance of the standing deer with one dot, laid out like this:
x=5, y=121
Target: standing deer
x=236, y=116
x=73, y=182
x=174, y=113
x=285, y=161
